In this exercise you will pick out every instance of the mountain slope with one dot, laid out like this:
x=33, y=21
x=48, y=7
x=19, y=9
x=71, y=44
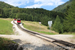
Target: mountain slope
x=62, y=8
x=5, y=5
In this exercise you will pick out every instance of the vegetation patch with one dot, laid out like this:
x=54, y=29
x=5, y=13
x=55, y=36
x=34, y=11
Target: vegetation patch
x=8, y=19
x=4, y=42
x=5, y=27
x=46, y=32
x=69, y=33
x=35, y=26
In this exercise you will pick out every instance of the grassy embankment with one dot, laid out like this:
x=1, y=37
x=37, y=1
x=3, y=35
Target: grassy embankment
x=35, y=26
x=5, y=26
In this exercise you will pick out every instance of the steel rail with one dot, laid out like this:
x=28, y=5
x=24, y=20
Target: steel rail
x=66, y=46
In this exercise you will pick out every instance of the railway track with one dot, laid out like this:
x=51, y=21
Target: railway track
x=63, y=44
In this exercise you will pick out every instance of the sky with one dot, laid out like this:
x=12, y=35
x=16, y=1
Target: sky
x=45, y=4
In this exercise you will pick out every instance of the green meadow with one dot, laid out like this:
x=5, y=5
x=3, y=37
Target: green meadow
x=5, y=27
x=35, y=26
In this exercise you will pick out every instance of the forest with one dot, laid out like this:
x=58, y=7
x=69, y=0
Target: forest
x=62, y=21
x=29, y=14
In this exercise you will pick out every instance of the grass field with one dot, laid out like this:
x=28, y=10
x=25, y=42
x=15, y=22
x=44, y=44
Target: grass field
x=5, y=26
x=35, y=26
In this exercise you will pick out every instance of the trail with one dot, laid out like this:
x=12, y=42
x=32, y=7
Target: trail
x=26, y=40
x=30, y=42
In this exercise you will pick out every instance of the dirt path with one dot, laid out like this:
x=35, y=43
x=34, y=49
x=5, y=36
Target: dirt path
x=30, y=42
x=68, y=38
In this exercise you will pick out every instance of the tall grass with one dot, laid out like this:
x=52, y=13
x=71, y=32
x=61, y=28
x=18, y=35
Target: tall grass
x=35, y=26
x=5, y=27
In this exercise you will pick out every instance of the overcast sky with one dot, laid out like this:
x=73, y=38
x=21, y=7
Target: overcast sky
x=46, y=4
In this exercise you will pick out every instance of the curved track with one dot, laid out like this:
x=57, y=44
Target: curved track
x=63, y=44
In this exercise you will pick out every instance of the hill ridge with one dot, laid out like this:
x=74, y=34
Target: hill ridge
x=5, y=5
x=62, y=8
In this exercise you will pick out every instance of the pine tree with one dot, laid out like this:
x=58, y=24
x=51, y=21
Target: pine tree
x=69, y=22
x=57, y=26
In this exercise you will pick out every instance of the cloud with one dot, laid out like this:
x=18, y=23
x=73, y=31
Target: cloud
x=41, y=3
x=16, y=2
x=37, y=3
x=34, y=6
x=54, y=2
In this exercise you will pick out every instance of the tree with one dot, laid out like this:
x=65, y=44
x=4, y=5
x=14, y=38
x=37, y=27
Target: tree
x=69, y=22
x=45, y=20
x=57, y=26
x=0, y=12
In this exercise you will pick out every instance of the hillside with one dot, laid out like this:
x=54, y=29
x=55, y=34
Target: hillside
x=5, y=5
x=62, y=8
